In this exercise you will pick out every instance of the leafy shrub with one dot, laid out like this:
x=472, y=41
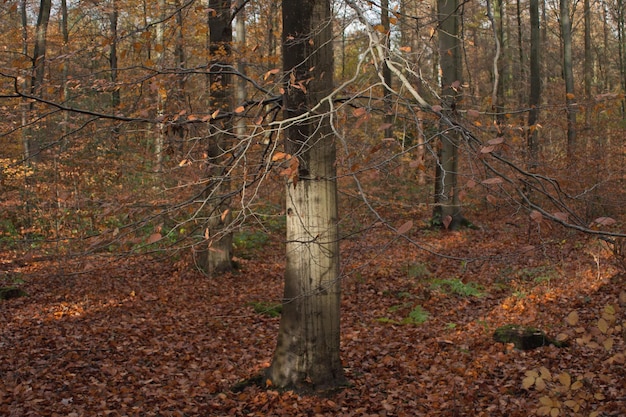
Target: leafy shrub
x=457, y=287
x=267, y=308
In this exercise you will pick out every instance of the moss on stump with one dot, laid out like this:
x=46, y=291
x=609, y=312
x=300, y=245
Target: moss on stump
x=524, y=337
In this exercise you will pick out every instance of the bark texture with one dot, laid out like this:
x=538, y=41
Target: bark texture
x=307, y=351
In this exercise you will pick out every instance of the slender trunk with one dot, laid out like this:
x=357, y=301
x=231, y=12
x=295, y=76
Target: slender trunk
x=520, y=49
x=39, y=69
x=568, y=72
x=447, y=211
x=215, y=254
x=113, y=17
x=240, y=84
x=307, y=351
x=24, y=103
x=161, y=91
x=588, y=67
x=534, y=98
x=384, y=20
x=65, y=91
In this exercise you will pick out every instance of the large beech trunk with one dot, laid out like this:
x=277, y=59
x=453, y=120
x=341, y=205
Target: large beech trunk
x=307, y=352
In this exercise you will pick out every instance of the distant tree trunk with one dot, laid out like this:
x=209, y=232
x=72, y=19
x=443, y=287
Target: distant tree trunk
x=24, y=103
x=588, y=67
x=215, y=254
x=115, y=93
x=534, y=98
x=384, y=20
x=621, y=51
x=113, y=17
x=307, y=351
x=497, y=94
x=447, y=211
x=39, y=70
x=503, y=64
x=161, y=91
x=568, y=73
x=240, y=84
x=521, y=70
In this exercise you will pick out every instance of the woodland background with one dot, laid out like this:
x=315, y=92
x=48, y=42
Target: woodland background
x=108, y=110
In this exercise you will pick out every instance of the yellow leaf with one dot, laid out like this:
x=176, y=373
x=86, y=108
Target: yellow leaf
x=545, y=373
x=215, y=113
x=544, y=411
x=572, y=318
x=599, y=396
x=528, y=382
x=555, y=412
x=545, y=400
x=540, y=384
x=576, y=385
x=603, y=326
x=608, y=343
x=565, y=379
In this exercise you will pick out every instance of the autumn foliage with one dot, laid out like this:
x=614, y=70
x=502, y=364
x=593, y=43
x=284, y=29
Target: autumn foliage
x=105, y=180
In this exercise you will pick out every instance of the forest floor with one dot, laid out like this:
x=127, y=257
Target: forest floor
x=143, y=336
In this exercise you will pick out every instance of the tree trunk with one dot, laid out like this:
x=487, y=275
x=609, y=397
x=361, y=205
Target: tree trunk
x=568, y=73
x=534, y=98
x=39, y=68
x=215, y=254
x=161, y=91
x=240, y=84
x=447, y=211
x=588, y=67
x=24, y=104
x=307, y=351
x=384, y=20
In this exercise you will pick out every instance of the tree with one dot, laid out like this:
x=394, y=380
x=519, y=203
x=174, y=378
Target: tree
x=568, y=74
x=447, y=211
x=215, y=253
x=307, y=351
x=32, y=148
x=534, y=98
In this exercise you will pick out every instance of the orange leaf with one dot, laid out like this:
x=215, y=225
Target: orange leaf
x=271, y=72
x=155, y=237
x=280, y=155
x=405, y=227
x=240, y=109
x=359, y=112
x=492, y=180
x=536, y=216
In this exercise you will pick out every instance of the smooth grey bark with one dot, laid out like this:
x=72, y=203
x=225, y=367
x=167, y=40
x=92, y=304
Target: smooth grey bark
x=588, y=64
x=447, y=211
x=568, y=73
x=534, y=97
x=307, y=350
